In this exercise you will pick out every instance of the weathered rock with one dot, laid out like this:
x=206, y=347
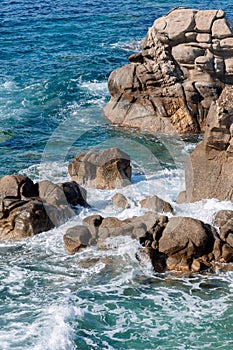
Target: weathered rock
x=200, y=265
x=177, y=243
x=26, y=220
x=27, y=209
x=161, y=89
x=93, y=222
x=156, y=204
x=186, y=238
x=209, y=168
x=60, y=198
x=119, y=200
x=227, y=253
x=136, y=227
x=204, y=20
x=107, y=169
x=220, y=29
x=224, y=220
x=17, y=186
x=76, y=238
x=75, y=194
x=181, y=198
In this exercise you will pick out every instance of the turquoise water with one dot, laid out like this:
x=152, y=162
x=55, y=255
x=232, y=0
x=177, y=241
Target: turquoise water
x=55, y=58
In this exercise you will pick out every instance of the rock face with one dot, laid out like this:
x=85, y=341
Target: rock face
x=107, y=169
x=209, y=168
x=186, y=60
x=27, y=209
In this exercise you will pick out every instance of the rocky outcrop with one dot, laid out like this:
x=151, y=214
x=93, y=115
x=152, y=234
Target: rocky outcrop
x=176, y=243
x=209, y=168
x=107, y=169
x=186, y=61
x=27, y=209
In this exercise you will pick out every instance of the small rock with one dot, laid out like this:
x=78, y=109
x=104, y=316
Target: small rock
x=76, y=238
x=119, y=200
x=199, y=265
x=181, y=198
x=156, y=204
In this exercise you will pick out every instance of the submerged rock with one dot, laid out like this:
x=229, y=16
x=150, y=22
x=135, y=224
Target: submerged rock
x=27, y=209
x=186, y=61
x=107, y=169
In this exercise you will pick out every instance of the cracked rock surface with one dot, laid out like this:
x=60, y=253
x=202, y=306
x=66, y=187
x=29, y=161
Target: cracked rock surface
x=185, y=62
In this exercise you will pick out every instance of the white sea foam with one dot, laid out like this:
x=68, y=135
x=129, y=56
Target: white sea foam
x=53, y=171
x=95, y=87
x=128, y=46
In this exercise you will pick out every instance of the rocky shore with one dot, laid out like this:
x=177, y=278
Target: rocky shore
x=180, y=82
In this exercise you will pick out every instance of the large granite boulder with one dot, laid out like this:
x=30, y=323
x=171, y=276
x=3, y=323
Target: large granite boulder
x=185, y=239
x=185, y=62
x=27, y=209
x=107, y=169
x=209, y=168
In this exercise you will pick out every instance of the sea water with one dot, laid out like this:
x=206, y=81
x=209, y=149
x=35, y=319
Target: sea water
x=55, y=58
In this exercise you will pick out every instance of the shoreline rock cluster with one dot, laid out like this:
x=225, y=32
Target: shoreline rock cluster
x=181, y=81
x=185, y=62
x=176, y=243
x=28, y=208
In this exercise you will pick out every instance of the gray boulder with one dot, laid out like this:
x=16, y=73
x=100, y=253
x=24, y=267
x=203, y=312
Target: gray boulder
x=184, y=239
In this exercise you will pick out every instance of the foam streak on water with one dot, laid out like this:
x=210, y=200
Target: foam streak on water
x=55, y=58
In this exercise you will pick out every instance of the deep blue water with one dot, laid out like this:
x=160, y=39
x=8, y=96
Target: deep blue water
x=55, y=58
